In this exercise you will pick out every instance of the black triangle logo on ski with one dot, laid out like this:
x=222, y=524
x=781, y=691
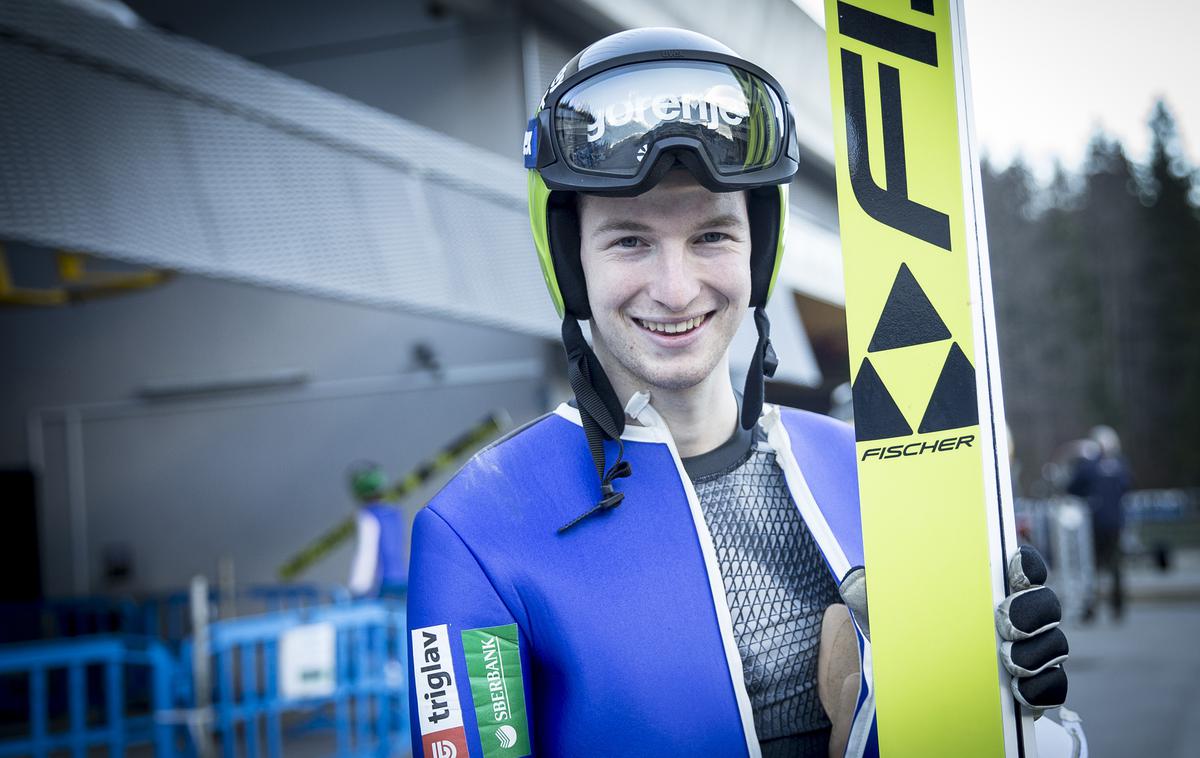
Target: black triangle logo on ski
x=876, y=415
x=908, y=317
x=952, y=405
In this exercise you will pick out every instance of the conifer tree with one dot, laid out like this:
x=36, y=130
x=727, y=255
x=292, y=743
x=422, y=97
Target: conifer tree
x=1045, y=296
x=1172, y=232
x=1113, y=254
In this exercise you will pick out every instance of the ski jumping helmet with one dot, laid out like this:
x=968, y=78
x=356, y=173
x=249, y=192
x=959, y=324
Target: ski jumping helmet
x=617, y=117
x=367, y=481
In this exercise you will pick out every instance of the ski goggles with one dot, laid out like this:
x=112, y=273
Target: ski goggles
x=727, y=122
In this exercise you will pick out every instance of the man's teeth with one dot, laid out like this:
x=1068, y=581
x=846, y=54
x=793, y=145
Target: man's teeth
x=676, y=328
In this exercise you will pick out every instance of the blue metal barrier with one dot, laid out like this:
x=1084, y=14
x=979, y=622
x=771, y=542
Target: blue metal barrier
x=168, y=615
x=73, y=696
x=68, y=617
x=367, y=694
x=165, y=616
x=95, y=707
x=285, y=597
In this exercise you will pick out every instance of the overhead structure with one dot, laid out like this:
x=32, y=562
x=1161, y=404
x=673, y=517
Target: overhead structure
x=130, y=143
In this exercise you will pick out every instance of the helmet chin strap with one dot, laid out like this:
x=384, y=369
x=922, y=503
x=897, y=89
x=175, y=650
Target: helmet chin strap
x=763, y=363
x=604, y=418
x=601, y=414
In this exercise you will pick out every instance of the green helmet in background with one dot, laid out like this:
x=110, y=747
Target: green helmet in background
x=368, y=481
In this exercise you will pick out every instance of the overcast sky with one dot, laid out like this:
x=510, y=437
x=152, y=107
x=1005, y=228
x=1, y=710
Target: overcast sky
x=1047, y=73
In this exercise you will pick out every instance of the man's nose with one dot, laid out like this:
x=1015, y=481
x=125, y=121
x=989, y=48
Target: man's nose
x=675, y=282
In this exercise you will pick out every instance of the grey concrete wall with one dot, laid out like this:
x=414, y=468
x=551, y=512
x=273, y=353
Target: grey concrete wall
x=457, y=72
x=253, y=474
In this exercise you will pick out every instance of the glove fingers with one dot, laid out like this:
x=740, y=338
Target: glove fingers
x=1027, y=613
x=1026, y=569
x=1045, y=690
x=1034, y=647
x=1036, y=654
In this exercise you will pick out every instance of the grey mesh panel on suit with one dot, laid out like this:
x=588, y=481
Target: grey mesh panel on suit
x=778, y=586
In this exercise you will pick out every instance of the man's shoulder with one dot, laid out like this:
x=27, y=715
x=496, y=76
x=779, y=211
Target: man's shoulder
x=823, y=446
x=512, y=470
x=819, y=427
x=824, y=450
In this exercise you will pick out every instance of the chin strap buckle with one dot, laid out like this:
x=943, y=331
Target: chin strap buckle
x=609, y=497
x=770, y=360
x=763, y=364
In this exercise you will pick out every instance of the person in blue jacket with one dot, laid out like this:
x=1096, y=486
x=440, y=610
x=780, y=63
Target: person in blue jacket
x=379, y=568
x=648, y=570
x=1101, y=477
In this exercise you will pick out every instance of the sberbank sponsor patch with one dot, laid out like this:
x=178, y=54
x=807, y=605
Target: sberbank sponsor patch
x=498, y=690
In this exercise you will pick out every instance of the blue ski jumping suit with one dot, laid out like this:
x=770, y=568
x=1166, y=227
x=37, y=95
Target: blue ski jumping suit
x=623, y=640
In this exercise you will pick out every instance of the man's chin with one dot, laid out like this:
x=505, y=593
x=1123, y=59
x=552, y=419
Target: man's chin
x=673, y=379
x=652, y=369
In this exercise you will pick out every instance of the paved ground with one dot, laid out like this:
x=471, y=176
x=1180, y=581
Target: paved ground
x=1136, y=684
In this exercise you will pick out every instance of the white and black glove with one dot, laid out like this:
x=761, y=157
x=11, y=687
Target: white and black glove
x=1033, y=647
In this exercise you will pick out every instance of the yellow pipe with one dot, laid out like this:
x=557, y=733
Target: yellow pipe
x=5, y=276
x=84, y=284
x=71, y=267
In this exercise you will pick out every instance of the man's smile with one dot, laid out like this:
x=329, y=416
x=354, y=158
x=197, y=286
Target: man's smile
x=673, y=331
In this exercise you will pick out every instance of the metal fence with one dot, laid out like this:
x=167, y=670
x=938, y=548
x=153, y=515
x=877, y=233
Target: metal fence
x=83, y=694
x=1159, y=522
x=322, y=680
x=337, y=670
x=1061, y=529
x=165, y=616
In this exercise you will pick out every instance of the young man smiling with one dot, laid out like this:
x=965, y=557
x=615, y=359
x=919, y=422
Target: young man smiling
x=650, y=569
x=668, y=276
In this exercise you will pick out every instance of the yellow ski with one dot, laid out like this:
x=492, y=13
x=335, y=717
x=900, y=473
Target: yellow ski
x=929, y=419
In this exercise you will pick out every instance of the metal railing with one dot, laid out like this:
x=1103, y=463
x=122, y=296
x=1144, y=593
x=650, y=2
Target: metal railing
x=83, y=694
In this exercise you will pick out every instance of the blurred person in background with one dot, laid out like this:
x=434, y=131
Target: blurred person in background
x=379, y=568
x=1101, y=477
x=664, y=566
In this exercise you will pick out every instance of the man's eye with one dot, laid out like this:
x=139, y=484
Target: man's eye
x=713, y=237
x=628, y=242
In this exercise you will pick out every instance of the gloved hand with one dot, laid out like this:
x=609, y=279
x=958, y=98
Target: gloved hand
x=1034, y=647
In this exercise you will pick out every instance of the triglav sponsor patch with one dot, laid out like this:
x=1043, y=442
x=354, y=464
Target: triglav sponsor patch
x=438, y=709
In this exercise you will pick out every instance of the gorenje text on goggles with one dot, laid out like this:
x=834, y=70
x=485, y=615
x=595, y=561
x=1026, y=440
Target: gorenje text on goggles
x=607, y=131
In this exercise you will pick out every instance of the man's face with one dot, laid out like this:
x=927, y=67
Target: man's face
x=668, y=280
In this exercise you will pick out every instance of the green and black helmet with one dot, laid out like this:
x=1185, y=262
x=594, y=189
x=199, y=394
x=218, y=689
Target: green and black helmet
x=367, y=481
x=619, y=116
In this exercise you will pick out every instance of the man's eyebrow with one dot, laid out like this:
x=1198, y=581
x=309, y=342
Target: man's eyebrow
x=725, y=219
x=623, y=225
x=627, y=225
